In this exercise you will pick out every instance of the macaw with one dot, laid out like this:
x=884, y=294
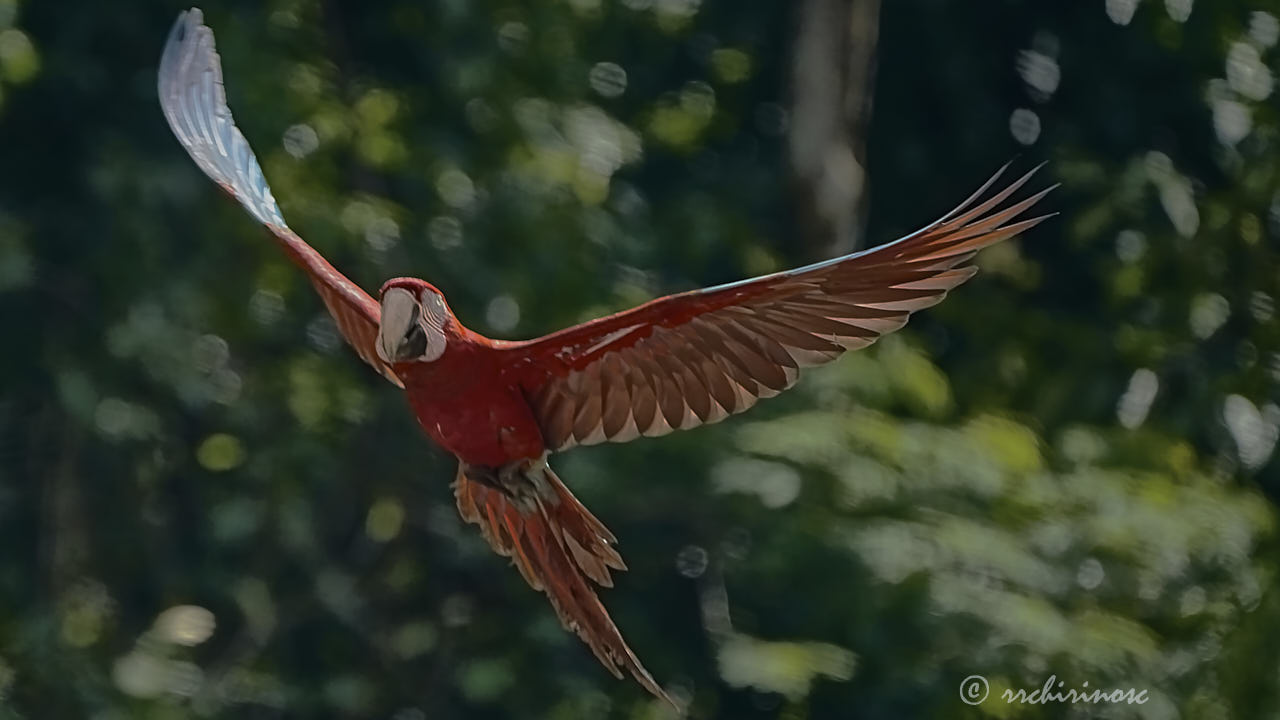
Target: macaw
x=673, y=363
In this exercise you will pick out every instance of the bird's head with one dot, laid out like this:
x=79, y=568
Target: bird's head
x=412, y=327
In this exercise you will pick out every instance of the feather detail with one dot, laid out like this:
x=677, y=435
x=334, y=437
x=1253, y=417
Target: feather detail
x=195, y=104
x=527, y=514
x=697, y=357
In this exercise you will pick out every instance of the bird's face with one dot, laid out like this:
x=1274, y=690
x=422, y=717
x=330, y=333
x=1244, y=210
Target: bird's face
x=412, y=325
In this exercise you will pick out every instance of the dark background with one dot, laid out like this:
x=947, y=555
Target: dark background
x=210, y=508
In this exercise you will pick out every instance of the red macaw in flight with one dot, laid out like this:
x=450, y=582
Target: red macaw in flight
x=670, y=364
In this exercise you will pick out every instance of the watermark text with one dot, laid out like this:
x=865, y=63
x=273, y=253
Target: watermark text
x=975, y=689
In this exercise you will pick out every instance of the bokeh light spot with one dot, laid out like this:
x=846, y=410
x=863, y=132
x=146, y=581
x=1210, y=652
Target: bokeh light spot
x=220, y=452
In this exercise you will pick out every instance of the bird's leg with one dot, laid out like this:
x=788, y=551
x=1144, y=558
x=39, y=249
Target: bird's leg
x=484, y=475
x=525, y=481
x=508, y=476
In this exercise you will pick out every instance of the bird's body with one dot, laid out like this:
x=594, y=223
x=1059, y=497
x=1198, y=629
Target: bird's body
x=484, y=419
x=671, y=364
x=470, y=400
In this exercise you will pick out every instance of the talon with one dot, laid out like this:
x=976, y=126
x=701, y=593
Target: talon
x=483, y=475
x=507, y=475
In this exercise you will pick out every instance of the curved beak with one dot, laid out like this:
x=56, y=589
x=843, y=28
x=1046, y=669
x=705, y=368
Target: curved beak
x=400, y=312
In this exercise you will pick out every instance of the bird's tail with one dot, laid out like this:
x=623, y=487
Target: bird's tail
x=528, y=515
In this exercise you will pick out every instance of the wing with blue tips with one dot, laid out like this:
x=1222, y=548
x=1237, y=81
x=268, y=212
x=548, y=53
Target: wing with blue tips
x=194, y=102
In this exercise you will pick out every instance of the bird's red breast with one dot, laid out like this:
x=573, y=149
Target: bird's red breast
x=469, y=405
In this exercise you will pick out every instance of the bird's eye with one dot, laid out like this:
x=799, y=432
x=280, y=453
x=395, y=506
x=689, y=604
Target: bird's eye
x=415, y=341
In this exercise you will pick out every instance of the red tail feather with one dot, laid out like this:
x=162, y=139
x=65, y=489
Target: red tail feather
x=531, y=517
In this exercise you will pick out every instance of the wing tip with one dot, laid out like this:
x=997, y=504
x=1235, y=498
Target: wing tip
x=183, y=37
x=191, y=17
x=1032, y=222
x=187, y=20
x=186, y=26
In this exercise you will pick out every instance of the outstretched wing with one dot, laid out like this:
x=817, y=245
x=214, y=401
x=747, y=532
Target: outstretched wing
x=194, y=103
x=684, y=360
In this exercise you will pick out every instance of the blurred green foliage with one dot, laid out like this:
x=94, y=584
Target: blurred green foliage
x=209, y=507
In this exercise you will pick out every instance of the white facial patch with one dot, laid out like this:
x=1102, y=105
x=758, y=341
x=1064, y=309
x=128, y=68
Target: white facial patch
x=433, y=309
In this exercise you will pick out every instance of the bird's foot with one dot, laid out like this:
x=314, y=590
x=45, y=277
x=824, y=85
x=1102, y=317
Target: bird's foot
x=525, y=482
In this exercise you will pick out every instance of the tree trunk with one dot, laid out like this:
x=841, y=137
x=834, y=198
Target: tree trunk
x=832, y=74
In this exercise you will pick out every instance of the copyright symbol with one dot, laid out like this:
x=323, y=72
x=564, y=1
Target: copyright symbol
x=974, y=689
